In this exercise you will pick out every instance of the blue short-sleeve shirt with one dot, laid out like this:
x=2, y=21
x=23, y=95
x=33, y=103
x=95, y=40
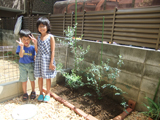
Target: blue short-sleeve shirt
x=29, y=53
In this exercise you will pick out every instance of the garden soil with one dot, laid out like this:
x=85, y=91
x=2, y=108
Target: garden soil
x=103, y=109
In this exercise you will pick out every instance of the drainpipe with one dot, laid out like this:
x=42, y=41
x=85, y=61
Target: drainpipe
x=24, y=7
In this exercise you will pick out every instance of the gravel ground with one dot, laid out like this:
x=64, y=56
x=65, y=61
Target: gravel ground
x=46, y=111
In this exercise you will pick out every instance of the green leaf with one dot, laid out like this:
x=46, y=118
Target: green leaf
x=117, y=94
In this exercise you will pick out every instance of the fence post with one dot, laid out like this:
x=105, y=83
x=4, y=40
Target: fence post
x=114, y=14
x=7, y=24
x=2, y=22
x=49, y=14
x=11, y=27
x=72, y=19
x=29, y=22
x=32, y=23
x=36, y=23
x=157, y=44
x=11, y=23
x=67, y=7
x=83, y=6
x=133, y=3
x=83, y=23
x=64, y=21
x=14, y=22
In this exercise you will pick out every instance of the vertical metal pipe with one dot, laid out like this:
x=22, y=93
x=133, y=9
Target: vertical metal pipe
x=75, y=28
x=75, y=17
x=24, y=11
x=102, y=39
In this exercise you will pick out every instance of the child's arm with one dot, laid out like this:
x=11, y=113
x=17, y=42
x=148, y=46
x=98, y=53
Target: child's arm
x=34, y=58
x=34, y=54
x=52, y=42
x=21, y=49
x=34, y=40
x=21, y=52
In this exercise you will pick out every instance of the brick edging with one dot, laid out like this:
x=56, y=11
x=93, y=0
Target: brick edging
x=72, y=107
x=131, y=107
x=123, y=114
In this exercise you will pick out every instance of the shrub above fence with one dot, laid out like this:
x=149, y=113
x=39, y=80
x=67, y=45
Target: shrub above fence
x=136, y=27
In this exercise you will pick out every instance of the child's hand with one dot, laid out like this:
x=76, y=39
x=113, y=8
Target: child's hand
x=20, y=42
x=52, y=67
x=34, y=40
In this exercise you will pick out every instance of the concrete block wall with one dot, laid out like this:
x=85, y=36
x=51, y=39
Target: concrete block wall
x=139, y=75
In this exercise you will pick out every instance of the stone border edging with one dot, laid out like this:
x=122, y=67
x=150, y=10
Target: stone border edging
x=72, y=107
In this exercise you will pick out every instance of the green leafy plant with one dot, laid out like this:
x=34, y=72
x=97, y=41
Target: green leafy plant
x=87, y=94
x=78, y=51
x=12, y=57
x=153, y=109
x=118, y=92
x=74, y=80
x=16, y=58
x=8, y=53
x=59, y=66
x=97, y=73
x=94, y=74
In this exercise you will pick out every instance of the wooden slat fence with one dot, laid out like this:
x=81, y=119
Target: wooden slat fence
x=136, y=27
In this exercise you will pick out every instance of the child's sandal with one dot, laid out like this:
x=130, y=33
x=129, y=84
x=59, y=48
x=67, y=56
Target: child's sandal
x=33, y=95
x=47, y=98
x=25, y=97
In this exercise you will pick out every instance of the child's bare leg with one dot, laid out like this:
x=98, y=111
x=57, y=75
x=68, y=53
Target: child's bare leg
x=33, y=85
x=24, y=87
x=33, y=93
x=48, y=86
x=40, y=84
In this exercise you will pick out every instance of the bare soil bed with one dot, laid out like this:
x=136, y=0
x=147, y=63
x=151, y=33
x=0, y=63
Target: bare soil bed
x=103, y=109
